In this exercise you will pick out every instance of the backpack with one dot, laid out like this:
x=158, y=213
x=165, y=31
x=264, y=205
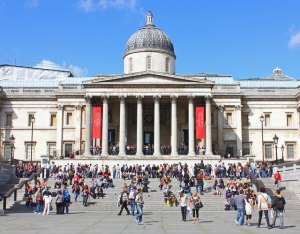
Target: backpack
x=66, y=195
x=280, y=203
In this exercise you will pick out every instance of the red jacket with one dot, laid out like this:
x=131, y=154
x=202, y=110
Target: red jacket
x=277, y=176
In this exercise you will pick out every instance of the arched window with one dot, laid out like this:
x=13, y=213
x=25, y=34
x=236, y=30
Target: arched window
x=130, y=65
x=167, y=64
x=148, y=62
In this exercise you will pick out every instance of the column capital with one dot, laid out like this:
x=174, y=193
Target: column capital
x=191, y=98
x=208, y=98
x=123, y=98
x=78, y=106
x=174, y=98
x=105, y=98
x=156, y=98
x=140, y=98
x=88, y=99
x=238, y=107
x=221, y=107
x=60, y=106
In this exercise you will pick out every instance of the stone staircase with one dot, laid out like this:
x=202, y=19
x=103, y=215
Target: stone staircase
x=153, y=200
x=292, y=201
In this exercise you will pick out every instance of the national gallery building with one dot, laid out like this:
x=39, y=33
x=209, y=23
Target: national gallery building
x=149, y=111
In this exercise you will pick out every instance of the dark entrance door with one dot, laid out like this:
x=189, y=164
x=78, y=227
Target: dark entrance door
x=148, y=142
x=111, y=136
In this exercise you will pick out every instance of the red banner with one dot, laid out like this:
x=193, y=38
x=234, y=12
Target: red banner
x=200, y=122
x=97, y=122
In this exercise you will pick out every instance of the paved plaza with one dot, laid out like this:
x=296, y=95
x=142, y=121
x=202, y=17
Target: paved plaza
x=154, y=222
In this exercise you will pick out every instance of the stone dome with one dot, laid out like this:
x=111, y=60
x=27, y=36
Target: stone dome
x=149, y=38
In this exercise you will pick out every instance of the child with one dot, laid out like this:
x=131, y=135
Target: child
x=248, y=208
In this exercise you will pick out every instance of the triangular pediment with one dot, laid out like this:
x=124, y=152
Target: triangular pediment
x=148, y=78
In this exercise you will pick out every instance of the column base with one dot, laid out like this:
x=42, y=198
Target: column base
x=174, y=155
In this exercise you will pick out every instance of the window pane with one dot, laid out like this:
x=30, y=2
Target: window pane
x=246, y=148
x=7, y=151
x=28, y=151
x=267, y=120
x=268, y=151
x=52, y=149
x=289, y=120
x=290, y=151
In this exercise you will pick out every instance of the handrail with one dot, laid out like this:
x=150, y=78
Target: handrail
x=20, y=185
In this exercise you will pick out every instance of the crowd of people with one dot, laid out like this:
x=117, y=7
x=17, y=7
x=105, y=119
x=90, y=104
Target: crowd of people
x=231, y=181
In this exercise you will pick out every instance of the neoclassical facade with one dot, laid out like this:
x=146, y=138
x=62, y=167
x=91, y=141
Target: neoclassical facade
x=50, y=112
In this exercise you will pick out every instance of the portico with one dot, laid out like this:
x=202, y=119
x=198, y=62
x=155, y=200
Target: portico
x=148, y=110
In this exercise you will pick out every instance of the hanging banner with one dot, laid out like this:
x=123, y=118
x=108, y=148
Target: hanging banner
x=200, y=128
x=97, y=122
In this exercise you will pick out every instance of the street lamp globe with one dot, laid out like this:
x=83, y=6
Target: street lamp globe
x=32, y=119
x=262, y=118
x=275, y=140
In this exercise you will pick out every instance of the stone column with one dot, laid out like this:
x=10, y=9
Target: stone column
x=88, y=125
x=78, y=128
x=156, y=126
x=105, y=127
x=174, y=126
x=60, y=124
x=220, y=129
x=239, y=144
x=122, y=126
x=191, y=126
x=139, y=126
x=208, y=144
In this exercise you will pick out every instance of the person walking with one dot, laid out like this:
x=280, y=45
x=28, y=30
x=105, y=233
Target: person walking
x=277, y=178
x=132, y=194
x=67, y=200
x=59, y=202
x=239, y=201
x=124, y=201
x=248, y=209
x=195, y=202
x=264, y=204
x=278, y=207
x=183, y=204
x=47, y=200
x=139, y=200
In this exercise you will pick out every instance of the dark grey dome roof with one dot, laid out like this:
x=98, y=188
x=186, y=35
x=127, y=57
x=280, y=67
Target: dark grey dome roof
x=149, y=38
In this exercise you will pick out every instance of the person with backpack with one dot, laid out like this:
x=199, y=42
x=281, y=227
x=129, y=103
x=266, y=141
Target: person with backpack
x=59, y=202
x=67, y=199
x=278, y=207
x=75, y=190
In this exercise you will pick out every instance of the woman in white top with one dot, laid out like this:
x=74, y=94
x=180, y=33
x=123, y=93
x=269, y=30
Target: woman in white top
x=263, y=201
x=248, y=208
x=183, y=204
x=47, y=200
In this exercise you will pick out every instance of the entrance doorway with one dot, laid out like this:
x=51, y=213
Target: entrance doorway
x=148, y=138
x=111, y=136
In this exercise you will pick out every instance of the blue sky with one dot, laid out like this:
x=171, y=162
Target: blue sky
x=244, y=39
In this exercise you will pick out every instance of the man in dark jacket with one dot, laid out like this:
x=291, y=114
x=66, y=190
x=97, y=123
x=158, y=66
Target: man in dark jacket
x=278, y=207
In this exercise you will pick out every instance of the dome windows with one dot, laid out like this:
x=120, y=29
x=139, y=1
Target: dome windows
x=148, y=62
x=167, y=65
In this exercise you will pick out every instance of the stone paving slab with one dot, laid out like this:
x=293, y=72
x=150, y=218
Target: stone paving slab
x=154, y=222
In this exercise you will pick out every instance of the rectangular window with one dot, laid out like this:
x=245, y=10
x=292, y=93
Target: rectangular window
x=30, y=119
x=30, y=152
x=290, y=151
x=7, y=151
x=52, y=149
x=267, y=120
x=246, y=148
x=69, y=118
x=8, y=119
x=289, y=120
x=245, y=120
x=229, y=150
x=229, y=118
x=268, y=151
x=53, y=120
x=68, y=149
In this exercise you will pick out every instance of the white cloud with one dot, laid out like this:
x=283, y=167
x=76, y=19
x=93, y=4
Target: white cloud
x=294, y=40
x=76, y=70
x=32, y=3
x=93, y=5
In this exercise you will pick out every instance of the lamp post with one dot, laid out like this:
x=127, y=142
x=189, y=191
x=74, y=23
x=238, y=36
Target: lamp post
x=262, y=119
x=275, y=141
x=282, y=150
x=31, y=143
x=12, y=145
